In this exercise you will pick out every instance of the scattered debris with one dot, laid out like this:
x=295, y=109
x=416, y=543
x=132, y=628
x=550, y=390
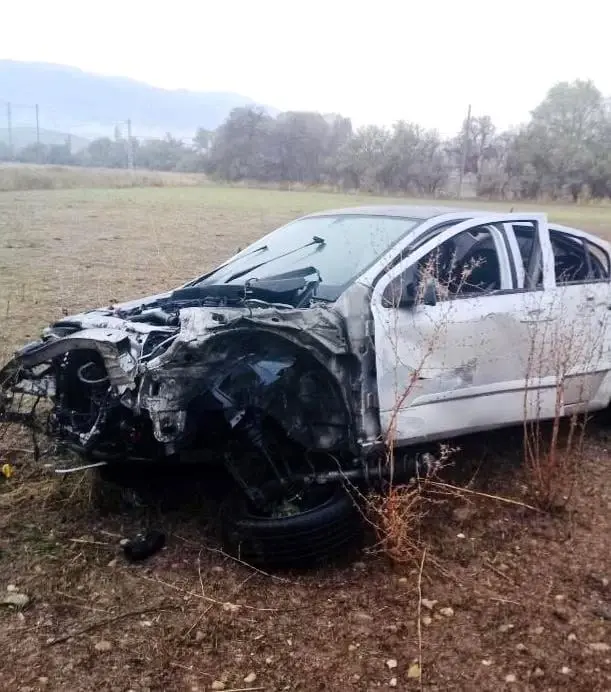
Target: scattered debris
x=447, y=612
x=143, y=545
x=391, y=663
x=565, y=670
x=217, y=685
x=506, y=628
x=251, y=677
x=510, y=678
x=392, y=682
x=429, y=605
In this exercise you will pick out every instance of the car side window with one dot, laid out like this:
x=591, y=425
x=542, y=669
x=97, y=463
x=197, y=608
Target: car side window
x=577, y=260
x=465, y=265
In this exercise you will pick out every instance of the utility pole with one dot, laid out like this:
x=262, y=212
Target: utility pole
x=130, y=148
x=465, y=144
x=37, y=126
x=9, y=126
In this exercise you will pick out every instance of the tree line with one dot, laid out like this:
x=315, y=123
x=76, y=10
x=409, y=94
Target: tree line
x=563, y=151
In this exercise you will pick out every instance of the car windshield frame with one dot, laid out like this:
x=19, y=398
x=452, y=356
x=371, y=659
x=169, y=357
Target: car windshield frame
x=255, y=262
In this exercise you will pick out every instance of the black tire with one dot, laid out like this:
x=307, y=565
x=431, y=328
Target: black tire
x=324, y=530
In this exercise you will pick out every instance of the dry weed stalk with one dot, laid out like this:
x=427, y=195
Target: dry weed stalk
x=397, y=512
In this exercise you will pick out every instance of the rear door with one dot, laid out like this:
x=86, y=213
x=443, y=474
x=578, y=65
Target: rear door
x=570, y=358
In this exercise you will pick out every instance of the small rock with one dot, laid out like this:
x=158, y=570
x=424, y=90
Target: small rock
x=447, y=612
x=392, y=682
x=123, y=542
x=251, y=677
x=18, y=600
x=460, y=535
x=391, y=663
x=599, y=646
x=217, y=569
x=217, y=685
x=605, y=582
x=112, y=563
x=603, y=612
x=11, y=587
x=402, y=580
x=43, y=680
x=572, y=637
x=199, y=636
x=463, y=514
x=426, y=620
x=269, y=660
x=521, y=648
x=359, y=565
x=352, y=647
x=429, y=605
x=103, y=645
x=361, y=616
x=539, y=672
x=565, y=670
x=538, y=630
x=506, y=628
x=231, y=607
x=146, y=623
x=486, y=662
x=414, y=671
x=559, y=597
x=510, y=678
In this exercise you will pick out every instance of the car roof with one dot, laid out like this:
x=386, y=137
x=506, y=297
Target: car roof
x=408, y=211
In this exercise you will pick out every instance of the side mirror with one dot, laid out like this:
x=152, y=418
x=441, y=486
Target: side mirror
x=429, y=297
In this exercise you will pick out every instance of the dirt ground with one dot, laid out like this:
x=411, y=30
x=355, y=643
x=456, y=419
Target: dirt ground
x=508, y=598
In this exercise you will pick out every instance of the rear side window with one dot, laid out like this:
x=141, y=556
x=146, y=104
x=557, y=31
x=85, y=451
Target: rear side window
x=577, y=260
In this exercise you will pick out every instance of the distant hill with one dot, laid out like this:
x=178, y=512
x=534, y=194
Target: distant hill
x=22, y=136
x=81, y=103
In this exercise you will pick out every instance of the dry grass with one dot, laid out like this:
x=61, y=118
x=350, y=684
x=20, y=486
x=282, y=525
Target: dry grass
x=14, y=177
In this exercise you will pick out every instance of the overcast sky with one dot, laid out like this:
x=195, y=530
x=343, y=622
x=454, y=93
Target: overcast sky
x=373, y=61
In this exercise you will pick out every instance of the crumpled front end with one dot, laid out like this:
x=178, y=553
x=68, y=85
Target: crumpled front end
x=152, y=388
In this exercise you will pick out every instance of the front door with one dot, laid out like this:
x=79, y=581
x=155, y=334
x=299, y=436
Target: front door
x=452, y=333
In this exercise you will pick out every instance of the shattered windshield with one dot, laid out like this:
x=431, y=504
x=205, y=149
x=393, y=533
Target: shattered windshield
x=338, y=247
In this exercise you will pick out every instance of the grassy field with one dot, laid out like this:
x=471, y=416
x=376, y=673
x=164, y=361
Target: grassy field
x=529, y=593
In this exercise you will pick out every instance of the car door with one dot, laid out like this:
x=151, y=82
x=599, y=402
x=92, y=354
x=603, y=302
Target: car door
x=456, y=361
x=570, y=358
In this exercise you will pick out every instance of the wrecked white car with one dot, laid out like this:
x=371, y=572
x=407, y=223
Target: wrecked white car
x=304, y=356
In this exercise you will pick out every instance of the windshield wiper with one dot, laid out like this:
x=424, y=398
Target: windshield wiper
x=316, y=240
x=231, y=261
